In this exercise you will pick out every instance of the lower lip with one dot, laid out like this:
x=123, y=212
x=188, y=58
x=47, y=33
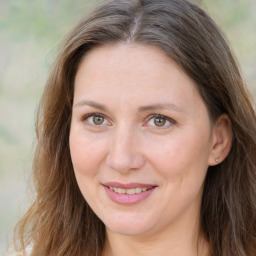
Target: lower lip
x=126, y=199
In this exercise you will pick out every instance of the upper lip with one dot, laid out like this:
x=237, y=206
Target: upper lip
x=128, y=185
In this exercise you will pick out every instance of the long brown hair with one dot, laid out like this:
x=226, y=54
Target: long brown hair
x=60, y=222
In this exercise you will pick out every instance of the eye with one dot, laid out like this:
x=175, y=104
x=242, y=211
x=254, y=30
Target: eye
x=98, y=120
x=160, y=121
x=95, y=119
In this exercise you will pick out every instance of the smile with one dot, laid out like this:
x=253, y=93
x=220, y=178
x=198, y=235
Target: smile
x=127, y=194
x=130, y=191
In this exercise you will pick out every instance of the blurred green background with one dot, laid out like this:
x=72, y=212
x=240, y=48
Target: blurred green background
x=30, y=33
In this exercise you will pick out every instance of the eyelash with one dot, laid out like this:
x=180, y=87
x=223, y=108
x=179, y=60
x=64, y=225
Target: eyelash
x=160, y=116
x=86, y=117
x=149, y=118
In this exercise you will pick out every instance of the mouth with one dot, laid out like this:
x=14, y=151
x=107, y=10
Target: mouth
x=130, y=191
x=127, y=194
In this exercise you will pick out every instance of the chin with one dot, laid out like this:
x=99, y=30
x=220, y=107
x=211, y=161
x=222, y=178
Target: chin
x=128, y=231
x=129, y=228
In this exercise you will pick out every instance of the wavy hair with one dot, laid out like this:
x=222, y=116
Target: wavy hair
x=60, y=222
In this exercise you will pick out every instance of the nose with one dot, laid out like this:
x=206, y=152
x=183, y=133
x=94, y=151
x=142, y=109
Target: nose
x=125, y=152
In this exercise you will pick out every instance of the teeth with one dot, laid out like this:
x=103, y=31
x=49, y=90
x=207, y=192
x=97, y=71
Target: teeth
x=130, y=191
x=138, y=190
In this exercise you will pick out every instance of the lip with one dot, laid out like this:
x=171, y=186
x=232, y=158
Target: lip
x=127, y=199
x=128, y=185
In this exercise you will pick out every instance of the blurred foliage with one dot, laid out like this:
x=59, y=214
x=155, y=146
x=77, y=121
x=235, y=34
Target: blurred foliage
x=47, y=20
x=30, y=33
x=238, y=20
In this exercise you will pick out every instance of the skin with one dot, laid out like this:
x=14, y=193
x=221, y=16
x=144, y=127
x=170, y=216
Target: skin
x=127, y=85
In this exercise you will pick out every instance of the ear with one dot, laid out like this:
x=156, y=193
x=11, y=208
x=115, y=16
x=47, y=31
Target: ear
x=221, y=140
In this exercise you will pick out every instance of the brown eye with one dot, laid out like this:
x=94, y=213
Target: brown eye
x=95, y=119
x=159, y=121
x=98, y=120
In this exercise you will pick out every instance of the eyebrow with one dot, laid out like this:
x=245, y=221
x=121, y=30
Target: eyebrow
x=161, y=106
x=153, y=107
x=91, y=104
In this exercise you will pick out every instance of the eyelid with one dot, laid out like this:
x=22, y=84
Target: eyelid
x=86, y=116
x=170, y=120
x=150, y=117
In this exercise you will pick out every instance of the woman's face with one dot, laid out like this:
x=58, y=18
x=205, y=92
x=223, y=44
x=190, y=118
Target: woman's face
x=140, y=139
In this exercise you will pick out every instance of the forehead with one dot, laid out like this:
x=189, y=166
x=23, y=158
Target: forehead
x=114, y=61
x=135, y=73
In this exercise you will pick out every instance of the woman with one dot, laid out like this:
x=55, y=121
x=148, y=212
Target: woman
x=146, y=140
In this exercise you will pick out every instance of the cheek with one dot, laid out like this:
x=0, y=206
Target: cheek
x=86, y=155
x=181, y=155
x=182, y=164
